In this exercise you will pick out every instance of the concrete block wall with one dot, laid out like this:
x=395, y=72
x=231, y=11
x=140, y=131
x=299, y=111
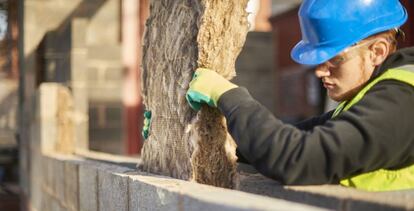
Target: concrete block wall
x=105, y=105
x=79, y=81
x=63, y=41
x=104, y=73
x=74, y=183
x=332, y=197
x=97, y=181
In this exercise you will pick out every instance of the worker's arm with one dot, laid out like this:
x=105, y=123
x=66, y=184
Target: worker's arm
x=375, y=133
x=307, y=124
x=310, y=123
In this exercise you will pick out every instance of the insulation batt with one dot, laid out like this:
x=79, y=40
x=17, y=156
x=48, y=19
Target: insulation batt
x=180, y=36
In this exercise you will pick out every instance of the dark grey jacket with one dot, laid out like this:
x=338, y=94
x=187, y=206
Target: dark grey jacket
x=377, y=132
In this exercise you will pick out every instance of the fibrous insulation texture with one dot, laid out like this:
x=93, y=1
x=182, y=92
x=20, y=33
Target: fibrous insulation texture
x=180, y=36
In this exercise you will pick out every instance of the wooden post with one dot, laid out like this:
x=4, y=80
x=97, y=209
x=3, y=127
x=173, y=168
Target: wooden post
x=182, y=35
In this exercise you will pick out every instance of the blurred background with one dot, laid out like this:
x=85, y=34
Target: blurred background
x=93, y=47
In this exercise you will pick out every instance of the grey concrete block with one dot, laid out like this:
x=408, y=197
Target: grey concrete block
x=48, y=173
x=50, y=203
x=93, y=74
x=353, y=199
x=162, y=193
x=328, y=196
x=197, y=197
x=79, y=65
x=106, y=53
x=46, y=202
x=80, y=97
x=36, y=177
x=88, y=188
x=360, y=205
x=56, y=205
x=79, y=28
x=114, y=74
x=110, y=92
x=144, y=196
x=195, y=204
x=104, y=25
x=59, y=180
x=71, y=171
x=112, y=191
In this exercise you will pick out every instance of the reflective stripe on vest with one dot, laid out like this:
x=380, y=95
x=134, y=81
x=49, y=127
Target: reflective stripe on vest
x=383, y=179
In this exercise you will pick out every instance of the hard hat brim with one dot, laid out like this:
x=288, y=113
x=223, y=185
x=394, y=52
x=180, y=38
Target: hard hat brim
x=307, y=54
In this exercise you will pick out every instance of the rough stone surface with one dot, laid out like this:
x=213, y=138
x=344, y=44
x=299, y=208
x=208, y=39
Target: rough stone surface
x=148, y=197
x=88, y=188
x=46, y=202
x=50, y=203
x=153, y=192
x=47, y=173
x=112, y=191
x=181, y=36
x=59, y=179
x=71, y=170
x=122, y=188
x=332, y=197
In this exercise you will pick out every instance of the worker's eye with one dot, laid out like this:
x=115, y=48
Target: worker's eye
x=336, y=61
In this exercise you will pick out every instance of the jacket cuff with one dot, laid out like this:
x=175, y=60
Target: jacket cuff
x=232, y=99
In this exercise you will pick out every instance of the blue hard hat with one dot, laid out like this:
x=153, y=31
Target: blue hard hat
x=330, y=26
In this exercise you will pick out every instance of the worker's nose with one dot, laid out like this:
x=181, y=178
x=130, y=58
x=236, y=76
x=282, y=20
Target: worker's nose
x=322, y=71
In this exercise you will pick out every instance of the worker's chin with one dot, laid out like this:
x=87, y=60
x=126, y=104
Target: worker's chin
x=339, y=96
x=336, y=96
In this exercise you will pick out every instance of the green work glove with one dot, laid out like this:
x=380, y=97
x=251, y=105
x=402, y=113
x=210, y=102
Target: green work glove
x=206, y=87
x=147, y=123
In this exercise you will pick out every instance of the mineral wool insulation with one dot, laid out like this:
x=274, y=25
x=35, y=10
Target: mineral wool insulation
x=182, y=35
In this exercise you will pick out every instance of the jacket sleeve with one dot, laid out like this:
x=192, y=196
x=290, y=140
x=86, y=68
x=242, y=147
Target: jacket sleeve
x=310, y=123
x=375, y=133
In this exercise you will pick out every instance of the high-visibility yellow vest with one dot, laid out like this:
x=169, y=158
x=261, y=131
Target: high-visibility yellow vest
x=382, y=179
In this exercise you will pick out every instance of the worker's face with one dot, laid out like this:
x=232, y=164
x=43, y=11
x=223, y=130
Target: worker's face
x=345, y=74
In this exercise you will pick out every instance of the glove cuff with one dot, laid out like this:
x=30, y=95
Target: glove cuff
x=221, y=89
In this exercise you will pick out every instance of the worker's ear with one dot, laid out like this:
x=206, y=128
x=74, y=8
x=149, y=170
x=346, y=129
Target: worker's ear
x=379, y=51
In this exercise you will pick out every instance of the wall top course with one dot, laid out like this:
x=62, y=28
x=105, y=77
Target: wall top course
x=272, y=195
x=328, y=196
x=226, y=198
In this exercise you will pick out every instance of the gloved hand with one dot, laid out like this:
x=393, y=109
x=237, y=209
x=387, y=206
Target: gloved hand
x=207, y=87
x=147, y=123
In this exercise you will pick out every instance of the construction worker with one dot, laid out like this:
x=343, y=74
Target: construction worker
x=368, y=141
